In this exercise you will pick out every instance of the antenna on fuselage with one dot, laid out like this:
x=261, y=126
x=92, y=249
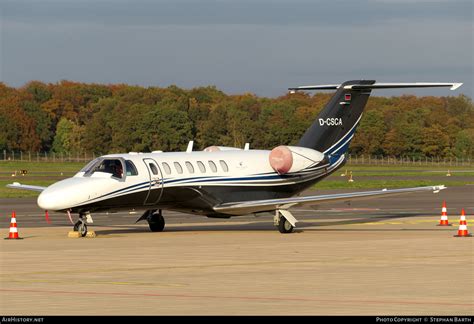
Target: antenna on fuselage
x=190, y=147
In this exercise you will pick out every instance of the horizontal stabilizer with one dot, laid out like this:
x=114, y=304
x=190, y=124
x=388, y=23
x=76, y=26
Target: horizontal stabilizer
x=452, y=85
x=316, y=87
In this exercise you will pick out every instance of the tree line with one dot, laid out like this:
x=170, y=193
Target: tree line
x=70, y=117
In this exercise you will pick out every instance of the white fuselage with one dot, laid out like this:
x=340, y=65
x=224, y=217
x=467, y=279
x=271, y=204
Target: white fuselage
x=156, y=172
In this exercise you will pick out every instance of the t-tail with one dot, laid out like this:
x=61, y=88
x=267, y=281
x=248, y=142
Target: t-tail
x=332, y=131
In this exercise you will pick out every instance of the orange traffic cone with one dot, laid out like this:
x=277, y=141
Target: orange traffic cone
x=13, y=229
x=462, y=230
x=444, y=216
x=462, y=220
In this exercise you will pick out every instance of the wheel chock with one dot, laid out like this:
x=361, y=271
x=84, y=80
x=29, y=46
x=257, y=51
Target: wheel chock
x=91, y=234
x=73, y=234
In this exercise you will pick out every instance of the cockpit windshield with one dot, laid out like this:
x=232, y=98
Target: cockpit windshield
x=112, y=166
x=90, y=165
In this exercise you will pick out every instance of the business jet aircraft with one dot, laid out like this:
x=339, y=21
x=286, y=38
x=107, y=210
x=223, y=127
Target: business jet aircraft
x=225, y=181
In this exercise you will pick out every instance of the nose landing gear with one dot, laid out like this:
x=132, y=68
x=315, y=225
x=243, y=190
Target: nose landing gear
x=81, y=225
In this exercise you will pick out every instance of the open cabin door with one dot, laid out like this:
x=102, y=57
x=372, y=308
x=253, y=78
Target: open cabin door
x=155, y=190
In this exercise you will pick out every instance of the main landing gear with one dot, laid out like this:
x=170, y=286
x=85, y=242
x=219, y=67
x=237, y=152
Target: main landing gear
x=81, y=225
x=284, y=220
x=155, y=220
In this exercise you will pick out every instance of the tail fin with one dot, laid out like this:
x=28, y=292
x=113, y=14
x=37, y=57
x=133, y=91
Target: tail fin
x=334, y=128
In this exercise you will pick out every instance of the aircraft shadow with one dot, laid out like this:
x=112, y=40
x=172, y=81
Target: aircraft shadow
x=260, y=225
x=362, y=220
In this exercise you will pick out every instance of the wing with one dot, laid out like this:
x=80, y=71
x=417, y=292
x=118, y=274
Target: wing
x=254, y=206
x=17, y=185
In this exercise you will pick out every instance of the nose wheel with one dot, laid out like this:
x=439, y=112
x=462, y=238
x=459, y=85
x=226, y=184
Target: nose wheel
x=81, y=227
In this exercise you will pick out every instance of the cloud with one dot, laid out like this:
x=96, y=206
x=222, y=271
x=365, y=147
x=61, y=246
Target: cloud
x=248, y=46
x=254, y=12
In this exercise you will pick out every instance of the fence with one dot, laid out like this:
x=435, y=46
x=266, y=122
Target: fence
x=413, y=161
x=46, y=156
x=85, y=157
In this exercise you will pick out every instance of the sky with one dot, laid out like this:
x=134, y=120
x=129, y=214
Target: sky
x=239, y=46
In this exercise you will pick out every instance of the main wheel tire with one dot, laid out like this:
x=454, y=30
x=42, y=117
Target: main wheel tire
x=156, y=223
x=81, y=228
x=284, y=226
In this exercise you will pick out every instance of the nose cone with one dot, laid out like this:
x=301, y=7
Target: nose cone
x=46, y=200
x=56, y=196
x=65, y=194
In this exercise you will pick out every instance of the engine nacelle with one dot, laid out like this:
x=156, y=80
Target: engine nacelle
x=220, y=148
x=284, y=159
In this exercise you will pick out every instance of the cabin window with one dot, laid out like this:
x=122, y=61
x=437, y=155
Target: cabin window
x=166, y=167
x=153, y=168
x=130, y=168
x=190, y=167
x=201, y=167
x=213, y=167
x=224, y=166
x=178, y=167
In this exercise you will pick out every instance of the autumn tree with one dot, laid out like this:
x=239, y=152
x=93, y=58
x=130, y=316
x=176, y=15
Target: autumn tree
x=99, y=118
x=464, y=146
x=68, y=137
